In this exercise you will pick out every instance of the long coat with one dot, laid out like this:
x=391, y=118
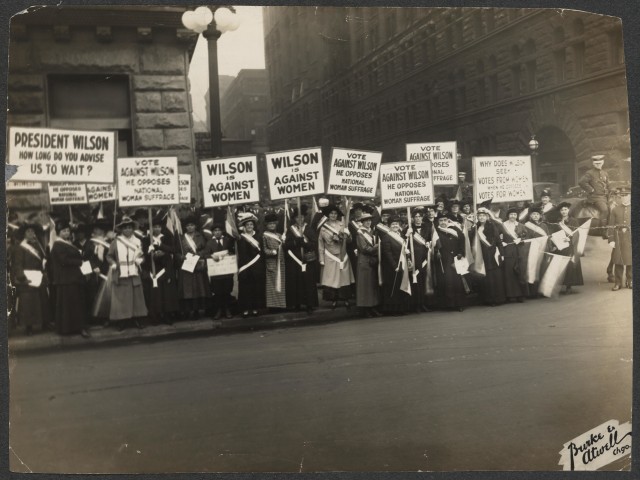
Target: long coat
x=336, y=273
x=449, y=285
x=33, y=302
x=492, y=289
x=573, y=274
x=194, y=285
x=127, y=294
x=70, y=307
x=251, y=280
x=301, y=286
x=420, y=257
x=620, y=233
x=95, y=251
x=164, y=297
x=274, y=267
x=515, y=260
x=393, y=299
x=221, y=285
x=367, y=294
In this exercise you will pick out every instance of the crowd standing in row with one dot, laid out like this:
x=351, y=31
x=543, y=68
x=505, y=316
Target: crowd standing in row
x=127, y=272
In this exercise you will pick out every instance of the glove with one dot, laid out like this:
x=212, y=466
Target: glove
x=459, y=257
x=517, y=240
x=114, y=266
x=612, y=244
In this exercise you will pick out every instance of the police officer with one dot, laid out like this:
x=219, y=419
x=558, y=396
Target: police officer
x=619, y=236
x=596, y=183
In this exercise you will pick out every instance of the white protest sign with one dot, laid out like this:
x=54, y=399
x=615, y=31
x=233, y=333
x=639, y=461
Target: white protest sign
x=67, y=193
x=406, y=184
x=227, y=265
x=295, y=173
x=503, y=179
x=354, y=172
x=101, y=192
x=46, y=154
x=147, y=181
x=229, y=181
x=443, y=157
x=13, y=185
x=185, y=187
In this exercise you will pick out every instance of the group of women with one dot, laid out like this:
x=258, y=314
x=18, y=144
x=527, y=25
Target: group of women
x=383, y=263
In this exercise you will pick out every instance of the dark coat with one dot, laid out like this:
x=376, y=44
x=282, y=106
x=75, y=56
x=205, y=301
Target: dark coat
x=515, y=262
x=300, y=287
x=70, y=292
x=492, y=289
x=33, y=302
x=65, y=264
x=595, y=182
x=367, y=287
x=449, y=285
x=251, y=281
x=393, y=299
x=620, y=233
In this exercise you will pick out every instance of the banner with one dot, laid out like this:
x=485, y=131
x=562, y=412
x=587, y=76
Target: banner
x=406, y=184
x=295, y=173
x=443, y=157
x=227, y=265
x=101, y=192
x=147, y=181
x=50, y=155
x=184, y=179
x=229, y=181
x=503, y=179
x=12, y=185
x=354, y=172
x=67, y=193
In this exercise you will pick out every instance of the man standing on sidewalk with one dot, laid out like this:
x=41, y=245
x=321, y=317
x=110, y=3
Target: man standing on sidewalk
x=596, y=183
x=619, y=234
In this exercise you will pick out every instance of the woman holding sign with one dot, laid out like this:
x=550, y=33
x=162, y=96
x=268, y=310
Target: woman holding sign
x=492, y=284
x=251, y=272
x=573, y=275
x=301, y=263
x=367, y=287
x=125, y=257
x=450, y=246
x=31, y=279
x=66, y=260
x=337, y=276
x=396, y=283
x=193, y=279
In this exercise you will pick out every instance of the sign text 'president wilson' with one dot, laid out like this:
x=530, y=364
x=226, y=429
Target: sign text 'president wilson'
x=230, y=181
x=295, y=173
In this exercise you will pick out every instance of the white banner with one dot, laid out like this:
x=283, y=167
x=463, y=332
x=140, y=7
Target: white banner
x=148, y=181
x=443, y=157
x=67, y=193
x=295, y=173
x=50, y=155
x=185, y=187
x=354, y=172
x=406, y=184
x=503, y=179
x=13, y=185
x=230, y=181
x=227, y=265
x=101, y=192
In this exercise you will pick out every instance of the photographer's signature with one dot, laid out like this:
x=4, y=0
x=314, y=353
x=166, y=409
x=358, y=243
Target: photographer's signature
x=598, y=447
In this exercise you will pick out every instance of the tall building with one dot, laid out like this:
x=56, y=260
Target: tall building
x=243, y=109
x=488, y=78
x=120, y=69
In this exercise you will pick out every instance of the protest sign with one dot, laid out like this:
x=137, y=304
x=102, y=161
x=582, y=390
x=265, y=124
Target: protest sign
x=67, y=193
x=227, y=265
x=503, y=179
x=12, y=185
x=229, y=181
x=147, y=181
x=406, y=184
x=184, y=180
x=443, y=157
x=354, y=172
x=46, y=154
x=295, y=173
x=101, y=192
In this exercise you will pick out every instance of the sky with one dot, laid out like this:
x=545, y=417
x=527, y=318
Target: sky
x=242, y=48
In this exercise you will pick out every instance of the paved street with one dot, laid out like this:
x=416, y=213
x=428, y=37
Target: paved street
x=490, y=388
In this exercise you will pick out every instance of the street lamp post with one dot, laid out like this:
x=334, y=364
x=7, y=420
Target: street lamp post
x=212, y=24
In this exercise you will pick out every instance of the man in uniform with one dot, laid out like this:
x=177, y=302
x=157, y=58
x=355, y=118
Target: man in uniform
x=596, y=183
x=619, y=235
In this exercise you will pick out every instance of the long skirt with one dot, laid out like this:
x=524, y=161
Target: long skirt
x=194, y=285
x=301, y=286
x=163, y=298
x=33, y=306
x=274, y=298
x=419, y=289
x=337, y=282
x=492, y=287
x=513, y=286
x=70, y=308
x=450, y=288
x=127, y=300
x=221, y=288
x=367, y=288
x=573, y=275
x=251, y=284
x=394, y=300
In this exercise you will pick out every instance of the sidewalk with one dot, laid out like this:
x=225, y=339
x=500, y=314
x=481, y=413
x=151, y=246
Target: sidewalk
x=206, y=326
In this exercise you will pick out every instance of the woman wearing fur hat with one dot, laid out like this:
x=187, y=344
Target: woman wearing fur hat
x=66, y=260
x=251, y=270
x=125, y=257
x=337, y=276
x=29, y=259
x=301, y=263
x=193, y=286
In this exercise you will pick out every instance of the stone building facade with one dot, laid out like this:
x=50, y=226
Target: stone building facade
x=489, y=78
x=105, y=68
